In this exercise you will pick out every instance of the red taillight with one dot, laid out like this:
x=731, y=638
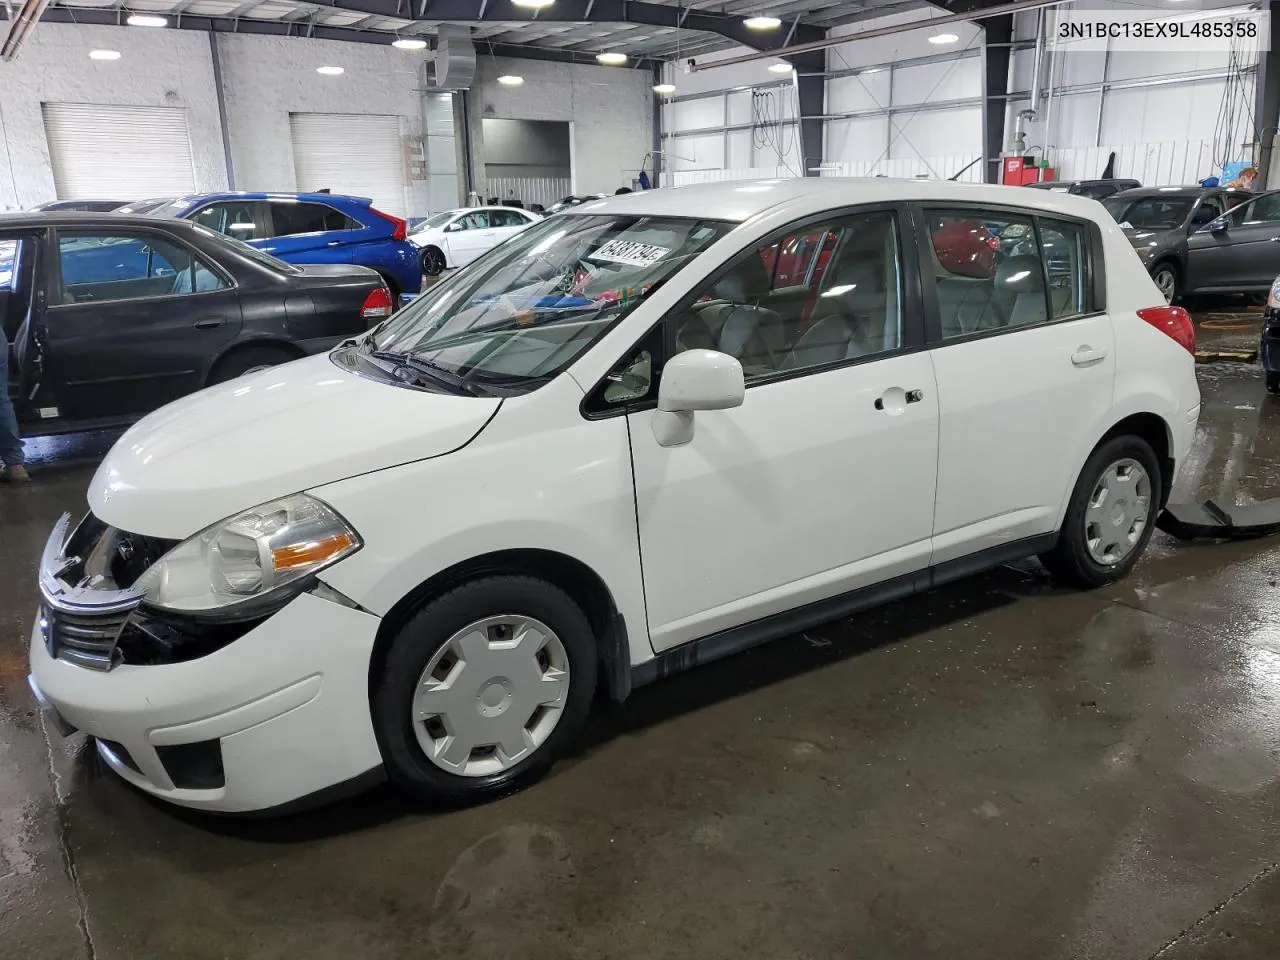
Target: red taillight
x=1173, y=322
x=401, y=227
x=377, y=305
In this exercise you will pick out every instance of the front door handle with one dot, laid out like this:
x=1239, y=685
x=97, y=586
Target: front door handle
x=209, y=323
x=895, y=399
x=1086, y=355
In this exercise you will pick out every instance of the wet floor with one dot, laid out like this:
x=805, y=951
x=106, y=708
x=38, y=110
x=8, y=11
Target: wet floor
x=998, y=769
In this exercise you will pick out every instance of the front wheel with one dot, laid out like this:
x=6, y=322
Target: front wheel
x=483, y=689
x=433, y=262
x=1165, y=276
x=1110, y=516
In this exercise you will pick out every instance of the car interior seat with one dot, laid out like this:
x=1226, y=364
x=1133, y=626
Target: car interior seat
x=1018, y=295
x=738, y=325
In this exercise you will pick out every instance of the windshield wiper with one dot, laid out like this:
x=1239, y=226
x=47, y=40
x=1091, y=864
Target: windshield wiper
x=432, y=371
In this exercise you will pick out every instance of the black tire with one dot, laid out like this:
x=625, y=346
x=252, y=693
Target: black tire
x=1069, y=562
x=248, y=360
x=1170, y=269
x=1273, y=382
x=408, y=767
x=433, y=261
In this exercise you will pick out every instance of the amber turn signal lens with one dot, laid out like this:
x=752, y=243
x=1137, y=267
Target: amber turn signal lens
x=305, y=554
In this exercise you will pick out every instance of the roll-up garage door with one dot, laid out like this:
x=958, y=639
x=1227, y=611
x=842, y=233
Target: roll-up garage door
x=132, y=153
x=350, y=153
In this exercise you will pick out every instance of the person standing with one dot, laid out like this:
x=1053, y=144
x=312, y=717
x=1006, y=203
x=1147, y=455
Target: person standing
x=10, y=445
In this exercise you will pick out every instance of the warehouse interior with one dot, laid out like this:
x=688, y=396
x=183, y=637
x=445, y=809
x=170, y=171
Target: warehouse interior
x=998, y=767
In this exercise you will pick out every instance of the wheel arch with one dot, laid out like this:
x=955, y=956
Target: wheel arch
x=575, y=578
x=238, y=346
x=1155, y=430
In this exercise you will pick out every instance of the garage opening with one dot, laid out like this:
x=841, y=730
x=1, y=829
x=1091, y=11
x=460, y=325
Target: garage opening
x=356, y=154
x=118, y=152
x=526, y=160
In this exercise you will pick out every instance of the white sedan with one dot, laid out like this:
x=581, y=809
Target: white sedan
x=456, y=237
x=656, y=430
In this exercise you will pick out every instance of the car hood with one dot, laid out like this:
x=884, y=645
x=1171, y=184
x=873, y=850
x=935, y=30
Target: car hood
x=301, y=425
x=1143, y=240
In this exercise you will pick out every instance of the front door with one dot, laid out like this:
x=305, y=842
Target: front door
x=141, y=334
x=468, y=237
x=1245, y=256
x=1025, y=369
x=822, y=482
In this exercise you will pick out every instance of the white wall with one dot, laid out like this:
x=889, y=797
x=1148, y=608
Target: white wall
x=610, y=110
x=169, y=68
x=267, y=78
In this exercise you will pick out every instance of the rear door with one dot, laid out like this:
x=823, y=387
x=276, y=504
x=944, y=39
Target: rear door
x=123, y=346
x=1025, y=363
x=306, y=232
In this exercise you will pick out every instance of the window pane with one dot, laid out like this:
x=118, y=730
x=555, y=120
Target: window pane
x=104, y=267
x=235, y=219
x=987, y=271
x=474, y=221
x=289, y=219
x=1065, y=258
x=334, y=220
x=8, y=257
x=829, y=294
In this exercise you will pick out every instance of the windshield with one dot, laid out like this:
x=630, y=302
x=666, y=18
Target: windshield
x=252, y=253
x=530, y=307
x=439, y=220
x=1150, y=213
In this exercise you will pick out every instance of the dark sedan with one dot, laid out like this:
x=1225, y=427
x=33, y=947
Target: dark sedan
x=1238, y=252
x=1161, y=223
x=112, y=316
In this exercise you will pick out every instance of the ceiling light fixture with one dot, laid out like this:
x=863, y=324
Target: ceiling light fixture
x=146, y=20
x=762, y=23
x=409, y=43
x=941, y=38
x=330, y=71
x=779, y=68
x=532, y=4
x=612, y=59
x=104, y=54
x=510, y=80
x=664, y=88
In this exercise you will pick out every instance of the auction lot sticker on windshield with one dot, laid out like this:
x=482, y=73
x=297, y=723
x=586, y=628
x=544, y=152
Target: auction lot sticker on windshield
x=631, y=253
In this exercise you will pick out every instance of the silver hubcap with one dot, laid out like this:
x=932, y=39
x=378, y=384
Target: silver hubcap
x=491, y=695
x=1165, y=282
x=1117, y=512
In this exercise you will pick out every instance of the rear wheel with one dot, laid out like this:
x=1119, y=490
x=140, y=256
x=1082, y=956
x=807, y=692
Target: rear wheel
x=1166, y=278
x=1110, y=516
x=483, y=689
x=248, y=360
x=433, y=262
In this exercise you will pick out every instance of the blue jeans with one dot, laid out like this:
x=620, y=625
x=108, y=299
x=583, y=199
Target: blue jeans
x=10, y=445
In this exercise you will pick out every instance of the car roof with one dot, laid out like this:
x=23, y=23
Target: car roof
x=1050, y=184
x=273, y=195
x=739, y=200
x=80, y=218
x=1187, y=190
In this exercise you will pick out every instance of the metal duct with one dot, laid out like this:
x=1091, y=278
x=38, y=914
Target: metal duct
x=1037, y=63
x=21, y=27
x=453, y=64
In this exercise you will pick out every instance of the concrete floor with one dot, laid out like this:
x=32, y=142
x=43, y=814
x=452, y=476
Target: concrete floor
x=999, y=769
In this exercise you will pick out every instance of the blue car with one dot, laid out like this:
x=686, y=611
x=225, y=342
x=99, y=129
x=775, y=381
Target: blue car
x=306, y=228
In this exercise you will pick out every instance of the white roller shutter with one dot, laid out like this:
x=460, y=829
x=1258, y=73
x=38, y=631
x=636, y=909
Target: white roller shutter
x=350, y=153
x=132, y=153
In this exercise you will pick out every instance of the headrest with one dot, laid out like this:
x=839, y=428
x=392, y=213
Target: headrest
x=1021, y=274
x=745, y=283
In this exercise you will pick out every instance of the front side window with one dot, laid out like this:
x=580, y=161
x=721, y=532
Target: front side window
x=99, y=267
x=537, y=302
x=473, y=221
x=826, y=295
x=234, y=219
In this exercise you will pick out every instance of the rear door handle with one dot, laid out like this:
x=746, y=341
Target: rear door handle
x=334, y=243
x=1086, y=355
x=209, y=323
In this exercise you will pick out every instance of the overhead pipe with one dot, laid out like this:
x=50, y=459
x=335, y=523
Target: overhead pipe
x=26, y=21
x=1032, y=111
x=830, y=42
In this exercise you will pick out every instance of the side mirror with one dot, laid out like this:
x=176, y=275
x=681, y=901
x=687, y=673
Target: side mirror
x=695, y=380
x=1217, y=226
x=452, y=227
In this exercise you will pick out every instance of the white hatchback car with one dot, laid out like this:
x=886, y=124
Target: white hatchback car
x=641, y=436
x=456, y=237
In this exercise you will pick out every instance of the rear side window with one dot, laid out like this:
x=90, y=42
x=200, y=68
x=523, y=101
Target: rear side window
x=506, y=218
x=289, y=218
x=996, y=271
